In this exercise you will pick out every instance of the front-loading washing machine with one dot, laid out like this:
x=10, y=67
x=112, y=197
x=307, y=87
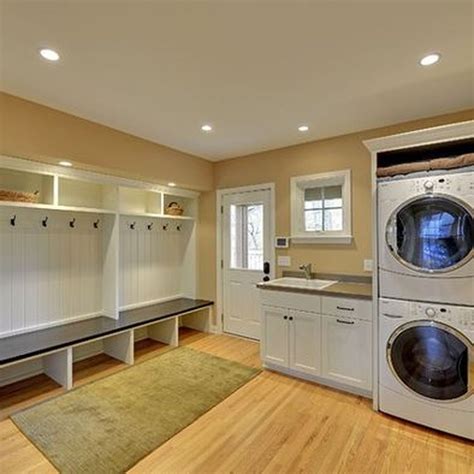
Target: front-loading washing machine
x=426, y=236
x=426, y=364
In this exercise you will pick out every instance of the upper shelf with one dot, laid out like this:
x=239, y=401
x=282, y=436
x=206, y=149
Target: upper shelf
x=52, y=207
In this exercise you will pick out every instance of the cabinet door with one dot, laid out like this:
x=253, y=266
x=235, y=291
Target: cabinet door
x=305, y=342
x=275, y=335
x=347, y=351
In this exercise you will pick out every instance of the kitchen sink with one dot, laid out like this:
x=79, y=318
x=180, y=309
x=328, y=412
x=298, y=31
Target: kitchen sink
x=302, y=283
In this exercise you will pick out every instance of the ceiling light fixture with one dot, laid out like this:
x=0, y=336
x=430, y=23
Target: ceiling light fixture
x=303, y=128
x=206, y=128
x=172, y=184
x=68, y=164
x=430, y=59
x=49, y=54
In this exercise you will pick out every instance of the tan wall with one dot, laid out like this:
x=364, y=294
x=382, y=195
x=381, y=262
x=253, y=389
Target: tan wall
x=278, y=166
x=30, y=130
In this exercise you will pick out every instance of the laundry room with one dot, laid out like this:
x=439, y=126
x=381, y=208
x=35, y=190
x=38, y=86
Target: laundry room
x=236, y=237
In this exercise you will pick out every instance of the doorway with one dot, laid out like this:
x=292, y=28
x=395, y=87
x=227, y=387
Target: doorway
x=247, y=255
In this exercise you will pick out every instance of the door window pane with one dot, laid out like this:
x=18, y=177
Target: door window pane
x=431, y=361
x=246, y=236
x=323, y=209
x=434, y=233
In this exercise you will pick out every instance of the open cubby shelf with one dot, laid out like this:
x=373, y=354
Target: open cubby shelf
x=92, y=246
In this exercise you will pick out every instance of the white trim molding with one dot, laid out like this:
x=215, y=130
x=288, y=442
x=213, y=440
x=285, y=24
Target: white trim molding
x=298, y=186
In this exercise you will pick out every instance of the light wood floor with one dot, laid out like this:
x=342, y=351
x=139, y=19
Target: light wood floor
x=273, y=424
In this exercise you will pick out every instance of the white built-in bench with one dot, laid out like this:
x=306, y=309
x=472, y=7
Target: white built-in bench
x=54, y=346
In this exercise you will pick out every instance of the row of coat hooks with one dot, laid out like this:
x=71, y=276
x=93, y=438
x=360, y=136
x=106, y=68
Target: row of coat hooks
x=149, y=226
x=44, y=222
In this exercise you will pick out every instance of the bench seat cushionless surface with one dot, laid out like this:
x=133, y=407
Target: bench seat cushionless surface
x=23, y=346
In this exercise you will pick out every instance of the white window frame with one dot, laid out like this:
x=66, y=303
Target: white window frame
x=299, y=235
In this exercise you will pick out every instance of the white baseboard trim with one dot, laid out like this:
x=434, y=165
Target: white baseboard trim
x=319, y=380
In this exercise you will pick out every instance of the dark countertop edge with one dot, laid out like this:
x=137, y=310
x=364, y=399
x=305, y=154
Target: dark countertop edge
x=100, y=335
x=313, y=291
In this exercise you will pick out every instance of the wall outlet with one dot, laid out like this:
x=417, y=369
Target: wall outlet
x=284, y=261
x=368, y=265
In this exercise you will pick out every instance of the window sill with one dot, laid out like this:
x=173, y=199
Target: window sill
x=322, y=239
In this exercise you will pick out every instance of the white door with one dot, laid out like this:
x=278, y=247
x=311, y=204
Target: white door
x=346, y=351
x=248, y=258
x=275, y=348
x=305, y=342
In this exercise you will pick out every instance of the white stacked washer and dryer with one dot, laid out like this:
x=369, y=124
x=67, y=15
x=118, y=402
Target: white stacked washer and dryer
x=426, y=299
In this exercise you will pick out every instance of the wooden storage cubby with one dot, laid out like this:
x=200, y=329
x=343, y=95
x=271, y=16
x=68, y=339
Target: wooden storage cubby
x=135, y=201
x=90, y=195
x=22, y=181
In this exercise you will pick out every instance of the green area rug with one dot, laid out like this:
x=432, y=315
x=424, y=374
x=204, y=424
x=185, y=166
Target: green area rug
x=109, y=425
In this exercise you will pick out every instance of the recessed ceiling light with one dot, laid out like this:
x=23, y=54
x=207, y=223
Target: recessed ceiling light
x=430, y=59
x=49, y=54
x=172, y=184
x=303, y=128
x=206, y=128
x=65, y=163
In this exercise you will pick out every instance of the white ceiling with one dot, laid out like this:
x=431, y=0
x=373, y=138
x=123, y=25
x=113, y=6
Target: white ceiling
x=255, y=70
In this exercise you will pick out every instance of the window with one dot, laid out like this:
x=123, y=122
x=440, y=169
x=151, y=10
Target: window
x=320, y=208
x=246, y=236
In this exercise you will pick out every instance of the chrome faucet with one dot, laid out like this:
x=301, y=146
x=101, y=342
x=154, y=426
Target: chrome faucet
x=306, y=267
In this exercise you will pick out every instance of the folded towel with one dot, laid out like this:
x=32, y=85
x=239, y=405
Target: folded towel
x=436, y=164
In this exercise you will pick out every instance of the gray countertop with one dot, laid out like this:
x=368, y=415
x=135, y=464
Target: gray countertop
x=345, y=288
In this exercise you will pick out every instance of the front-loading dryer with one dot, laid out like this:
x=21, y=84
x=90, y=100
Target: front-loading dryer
x=425, y=237
x=426, y=364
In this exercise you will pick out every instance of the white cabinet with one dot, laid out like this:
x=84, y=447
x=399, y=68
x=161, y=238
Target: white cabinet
x=291, y=339
x=331, y=344
x=346, y=351
x=275, y=342
x=305, y=337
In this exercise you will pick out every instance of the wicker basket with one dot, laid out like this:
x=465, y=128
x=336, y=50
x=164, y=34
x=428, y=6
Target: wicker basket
x=18, y=196
x=174, y=209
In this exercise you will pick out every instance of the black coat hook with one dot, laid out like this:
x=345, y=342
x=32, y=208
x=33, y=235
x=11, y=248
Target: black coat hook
x=165, y=227
x=96, y=224
x=150, y=226
x=72, y=223
x=13, y=221
x=178, y=228
x=44, y=222
x=132, y=225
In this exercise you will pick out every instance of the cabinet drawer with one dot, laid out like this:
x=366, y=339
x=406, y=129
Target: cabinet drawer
x=285, y=299
x=353, y=308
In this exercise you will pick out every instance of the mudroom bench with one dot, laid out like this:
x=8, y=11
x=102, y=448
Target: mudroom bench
x=53, y=349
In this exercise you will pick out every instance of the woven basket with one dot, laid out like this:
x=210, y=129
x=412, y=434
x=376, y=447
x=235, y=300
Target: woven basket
x=18, y=196
x=174, y=209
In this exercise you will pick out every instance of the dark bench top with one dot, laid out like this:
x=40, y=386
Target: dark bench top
x=22, y=346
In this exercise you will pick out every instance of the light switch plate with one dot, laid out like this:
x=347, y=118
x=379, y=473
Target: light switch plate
x=284, y=261
x=368, y=265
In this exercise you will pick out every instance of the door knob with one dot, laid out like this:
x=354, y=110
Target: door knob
x=266, y=268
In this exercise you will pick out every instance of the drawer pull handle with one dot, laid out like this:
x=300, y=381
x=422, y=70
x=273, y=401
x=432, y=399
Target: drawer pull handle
x=394, y=316
x=344, y=322
x=344, y=309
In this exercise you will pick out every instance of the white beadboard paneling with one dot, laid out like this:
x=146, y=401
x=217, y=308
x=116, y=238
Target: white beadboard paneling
x=48, y=274
x=152, y=260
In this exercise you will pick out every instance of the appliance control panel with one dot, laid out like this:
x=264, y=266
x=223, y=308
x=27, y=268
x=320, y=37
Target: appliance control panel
x=456, y=183
x=455, y=315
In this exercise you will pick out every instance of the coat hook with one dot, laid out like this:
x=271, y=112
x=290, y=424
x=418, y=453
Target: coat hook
x=13, y=221
x=72, y=223
x=165, y=227
x=96, y=224
x=178, y=228
x=150, y=226
x=132, y=225
x=44, y=222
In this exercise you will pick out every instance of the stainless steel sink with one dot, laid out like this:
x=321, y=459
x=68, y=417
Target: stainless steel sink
x=302, y=283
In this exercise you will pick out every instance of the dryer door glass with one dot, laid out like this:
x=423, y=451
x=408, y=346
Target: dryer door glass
x=431, y=360
x=432, y=234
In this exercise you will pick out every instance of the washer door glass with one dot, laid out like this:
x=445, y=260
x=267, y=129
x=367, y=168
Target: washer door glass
x=431, y=361
x=432, y=233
